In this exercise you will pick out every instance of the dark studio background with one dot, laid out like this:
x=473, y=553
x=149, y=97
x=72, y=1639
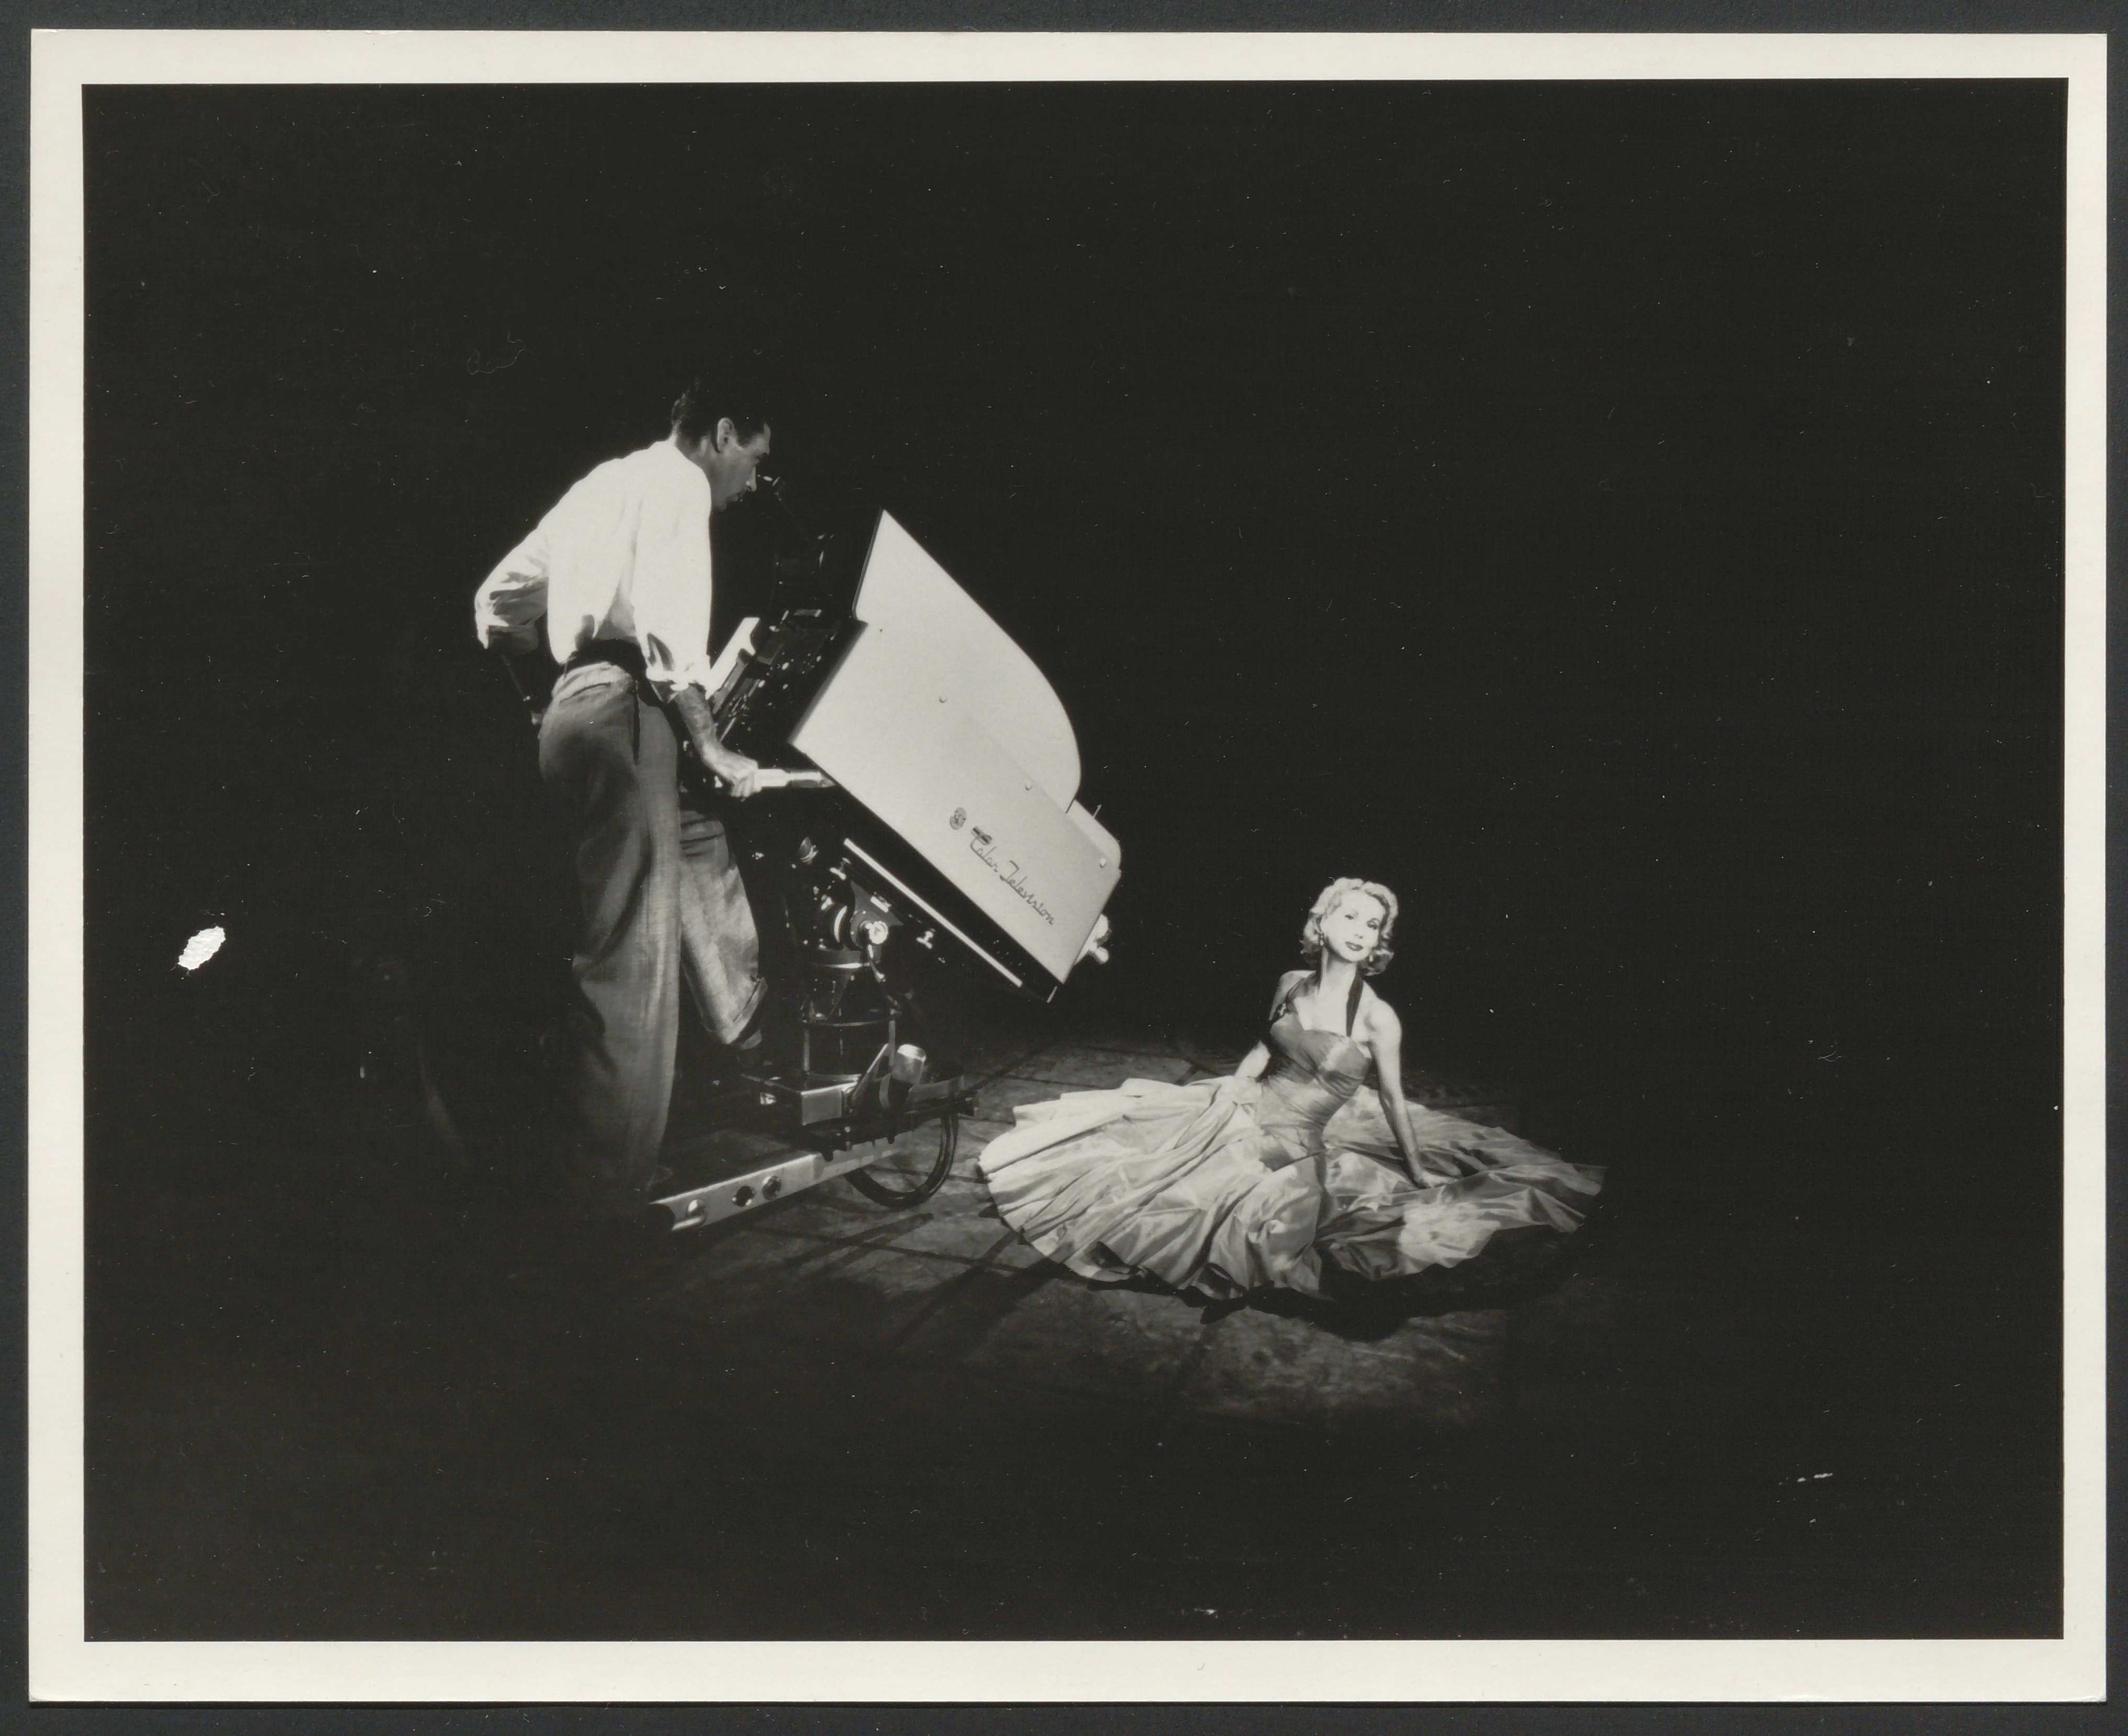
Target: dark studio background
x=1625, y=519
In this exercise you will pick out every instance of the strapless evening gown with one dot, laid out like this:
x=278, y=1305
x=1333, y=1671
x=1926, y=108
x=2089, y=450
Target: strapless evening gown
x=1228, y=1195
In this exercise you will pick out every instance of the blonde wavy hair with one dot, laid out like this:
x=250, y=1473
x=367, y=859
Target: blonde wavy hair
x=1334, y=894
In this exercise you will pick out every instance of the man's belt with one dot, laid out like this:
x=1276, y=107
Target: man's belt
x=621, y=653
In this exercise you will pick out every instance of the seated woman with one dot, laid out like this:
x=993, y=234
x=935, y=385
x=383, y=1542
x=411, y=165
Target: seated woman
x=1309, y=1152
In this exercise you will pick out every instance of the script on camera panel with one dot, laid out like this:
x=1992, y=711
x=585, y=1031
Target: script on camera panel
x=945, y=729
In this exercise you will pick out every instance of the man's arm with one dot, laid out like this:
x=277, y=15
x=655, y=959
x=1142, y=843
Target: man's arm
x=671, y=601
x=507, y=608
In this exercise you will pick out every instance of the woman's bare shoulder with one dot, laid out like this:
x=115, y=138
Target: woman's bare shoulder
x=1380, y=1017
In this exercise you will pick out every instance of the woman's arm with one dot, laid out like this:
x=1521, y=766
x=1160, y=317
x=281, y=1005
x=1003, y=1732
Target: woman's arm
x=1385, y=1037
x=1254, y=1063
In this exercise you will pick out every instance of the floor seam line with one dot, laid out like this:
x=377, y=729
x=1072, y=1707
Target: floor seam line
x=945, y=1291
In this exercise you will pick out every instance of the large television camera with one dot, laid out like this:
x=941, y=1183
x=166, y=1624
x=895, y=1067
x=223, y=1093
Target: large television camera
x=922, y=811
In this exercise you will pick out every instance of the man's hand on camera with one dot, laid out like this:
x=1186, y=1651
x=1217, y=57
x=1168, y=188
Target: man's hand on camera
x=736, y=770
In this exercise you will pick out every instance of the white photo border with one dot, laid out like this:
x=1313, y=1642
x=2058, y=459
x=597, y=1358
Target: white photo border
x=65, y=1666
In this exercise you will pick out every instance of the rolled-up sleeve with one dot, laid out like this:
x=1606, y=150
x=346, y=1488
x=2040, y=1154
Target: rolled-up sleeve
x=515, y=594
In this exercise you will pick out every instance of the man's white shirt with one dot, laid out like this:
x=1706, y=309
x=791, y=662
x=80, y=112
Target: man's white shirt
x=625, y=554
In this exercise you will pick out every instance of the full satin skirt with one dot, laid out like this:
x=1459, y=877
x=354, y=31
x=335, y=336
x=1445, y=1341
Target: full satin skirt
x=1208, y=1192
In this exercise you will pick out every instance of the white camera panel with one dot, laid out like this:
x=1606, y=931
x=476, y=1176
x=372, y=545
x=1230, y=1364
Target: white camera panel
x=943, y=727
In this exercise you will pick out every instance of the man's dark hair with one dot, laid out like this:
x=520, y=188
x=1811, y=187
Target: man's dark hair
x=707, y=401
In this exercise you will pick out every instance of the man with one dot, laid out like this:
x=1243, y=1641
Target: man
x=621, y=569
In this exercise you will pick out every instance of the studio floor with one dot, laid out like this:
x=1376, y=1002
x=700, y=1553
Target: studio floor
x=351, y=1406
x=945, y=1285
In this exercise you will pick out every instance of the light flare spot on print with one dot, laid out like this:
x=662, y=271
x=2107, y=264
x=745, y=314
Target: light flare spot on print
x=201, y=947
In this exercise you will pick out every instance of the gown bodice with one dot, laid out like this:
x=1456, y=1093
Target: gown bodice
x=1313, y=1074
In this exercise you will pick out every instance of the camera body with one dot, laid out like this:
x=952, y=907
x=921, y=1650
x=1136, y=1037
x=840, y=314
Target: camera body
x=921, y=811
